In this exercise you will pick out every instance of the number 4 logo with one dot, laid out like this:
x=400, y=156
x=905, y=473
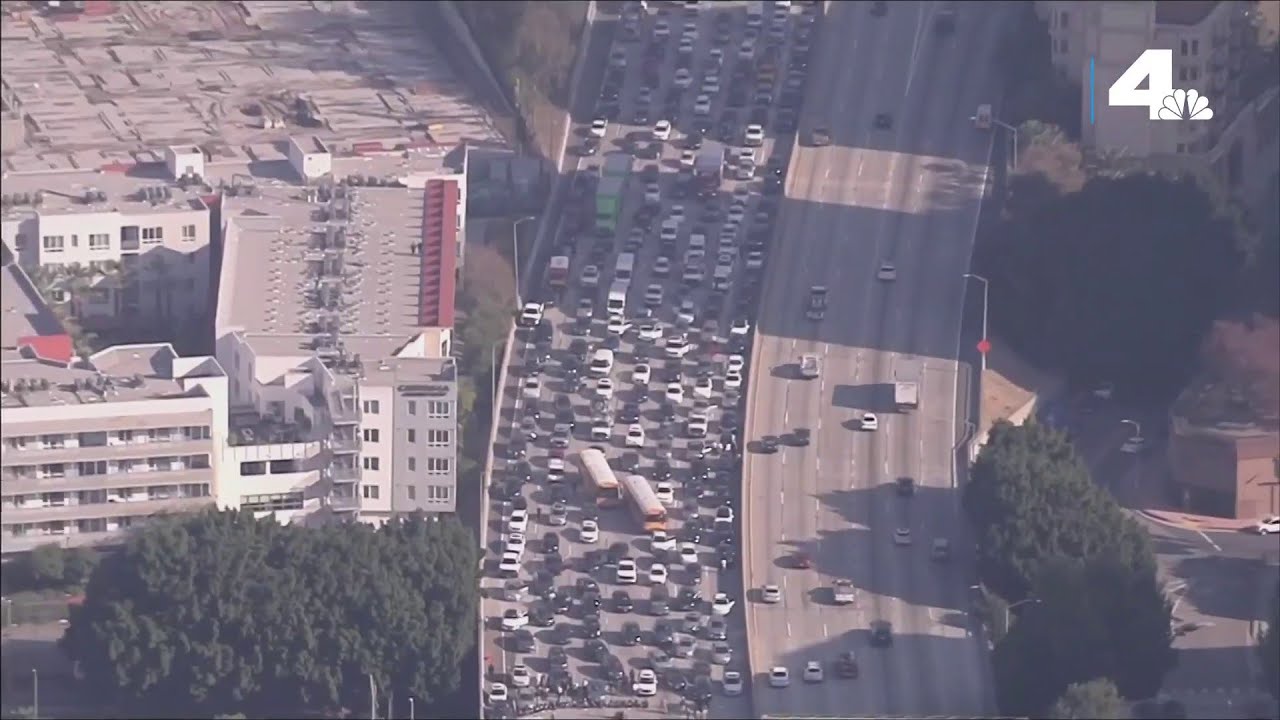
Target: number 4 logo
x=1160, y=97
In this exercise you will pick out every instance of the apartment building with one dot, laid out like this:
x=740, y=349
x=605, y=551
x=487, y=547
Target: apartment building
x=1211, y=42
x=334, y=321
x=91, y=447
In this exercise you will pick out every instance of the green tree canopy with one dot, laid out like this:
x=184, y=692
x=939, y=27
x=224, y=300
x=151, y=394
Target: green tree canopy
x=1093, y=700
x=1116, y=282
x=1090, y=619
x=220, y=613
x=1030, y=498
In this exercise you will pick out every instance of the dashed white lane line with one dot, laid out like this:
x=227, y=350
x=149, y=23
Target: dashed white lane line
x=824, y=630
x=788, y=628
x=817, y=462
x=782, y=498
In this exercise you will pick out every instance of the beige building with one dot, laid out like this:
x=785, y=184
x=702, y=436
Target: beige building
x=90, y=447
x=1210, y=41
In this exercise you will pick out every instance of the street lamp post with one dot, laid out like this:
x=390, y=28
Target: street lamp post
x=411, y=707
x=1007, y=608
x=35, y=693
x=986, y=286
x=515, y=252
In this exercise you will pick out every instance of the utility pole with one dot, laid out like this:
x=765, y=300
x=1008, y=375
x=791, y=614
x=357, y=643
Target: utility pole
x=35, y=693
x=373, y=699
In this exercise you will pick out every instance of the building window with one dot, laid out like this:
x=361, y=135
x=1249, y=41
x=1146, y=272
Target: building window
x=413, y=435
x=19, y=242
x=99, y=241
x=413, y=463
x=1195, y=47
x=52, y=243
x=1195, y=73
x=370, y=492
x=439, y=492
x=371, y=435
x=437, y=438
x=1182, y=74
x=196, y=432
x=271, y=503
x=371, y=407
x=370, y=463
x=94, y=467
x=1063, y=18
x=438, y=409
x=1183, y=48
x=438, y=466
x=152, y=234
x=413, y=407
x=189, y=233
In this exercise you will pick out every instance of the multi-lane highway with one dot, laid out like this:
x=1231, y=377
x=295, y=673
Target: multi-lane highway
x=910, y=195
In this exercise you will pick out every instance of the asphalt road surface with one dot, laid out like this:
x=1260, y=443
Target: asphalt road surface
x=537, y=380
x=909, y=195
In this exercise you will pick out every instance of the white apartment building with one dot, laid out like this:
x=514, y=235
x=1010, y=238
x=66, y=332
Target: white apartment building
x=90, y=447
x=1210, y=41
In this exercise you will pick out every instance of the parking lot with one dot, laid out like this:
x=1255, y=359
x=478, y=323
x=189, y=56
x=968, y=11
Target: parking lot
x=634, y=345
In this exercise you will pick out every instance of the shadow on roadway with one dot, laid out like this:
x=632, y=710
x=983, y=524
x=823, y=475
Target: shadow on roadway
x=868, y=397
x=1221, y=586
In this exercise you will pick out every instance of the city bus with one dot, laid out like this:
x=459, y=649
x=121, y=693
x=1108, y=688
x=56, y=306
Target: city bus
x=598, y=478
x=644, y=502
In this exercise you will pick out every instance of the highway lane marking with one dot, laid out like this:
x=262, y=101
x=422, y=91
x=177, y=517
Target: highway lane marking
x=1208, y=540
x=824, y=630
x=788, y=628
x=915, y=51
x=860, y=168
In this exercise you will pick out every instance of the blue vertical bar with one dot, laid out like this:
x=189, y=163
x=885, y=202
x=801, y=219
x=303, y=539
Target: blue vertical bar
x=1092, y=93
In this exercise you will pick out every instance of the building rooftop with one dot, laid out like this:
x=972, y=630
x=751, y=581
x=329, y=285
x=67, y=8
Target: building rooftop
x=303, y=267
x=25, y=313
x=90, y=92
x=119, y=374
x=1184, y=12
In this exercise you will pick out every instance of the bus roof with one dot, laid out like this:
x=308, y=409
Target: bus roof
x=596, y=467
x=642, y=494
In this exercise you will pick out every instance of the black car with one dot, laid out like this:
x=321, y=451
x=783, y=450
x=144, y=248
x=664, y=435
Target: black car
x=800, y=437
x=612, y=669
x=542, y=616
x=591, y=561
x=675, y=680
x=660, y=471
x=617, y=551
x=691, y=532
x=590, y=146
x=517, y=449
x=769, y=444
x=884, y=121
x=881, y=633
x=562, y=602
x=906, y=486
x=726, y=558
x=550, y=543
x=559, y=635
x=596, y=650
x=667, y=412
x=630, y=413
x=587, y=585
x=688, y=599
x=554, y=563
x=524, y=641
x=591, y=628
x=663, y=634
x=879, y=8
x=693, y=141
x=630, y=634
x=622, y=601
x=591, y=602
x=558, y=659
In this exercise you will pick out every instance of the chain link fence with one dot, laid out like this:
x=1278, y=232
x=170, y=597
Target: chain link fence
x=35, y=610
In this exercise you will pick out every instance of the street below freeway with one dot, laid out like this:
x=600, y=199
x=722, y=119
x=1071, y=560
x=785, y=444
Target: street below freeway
x=908, y=194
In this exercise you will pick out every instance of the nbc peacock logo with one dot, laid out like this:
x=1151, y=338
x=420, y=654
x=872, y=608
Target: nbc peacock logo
x=1186, y=105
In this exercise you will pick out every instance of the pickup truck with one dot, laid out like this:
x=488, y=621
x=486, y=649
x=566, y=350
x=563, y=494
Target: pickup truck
x=843, y=593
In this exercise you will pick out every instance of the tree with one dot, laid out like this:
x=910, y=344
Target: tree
x=1030, y=498
x=1090, y=619
x=47, y=565
x=219, y=613
x=1093, y=700
x=1269, y=650
x=1032, y=88
x=1117, y=282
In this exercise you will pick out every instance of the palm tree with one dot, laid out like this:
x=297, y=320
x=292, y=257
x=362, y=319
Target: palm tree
x=64, y=288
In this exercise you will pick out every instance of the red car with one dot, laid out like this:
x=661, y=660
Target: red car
x=803, y=561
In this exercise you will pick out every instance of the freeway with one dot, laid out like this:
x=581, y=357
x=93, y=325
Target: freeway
x=908, y=194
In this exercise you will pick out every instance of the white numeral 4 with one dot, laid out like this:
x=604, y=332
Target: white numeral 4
x=1154, y=65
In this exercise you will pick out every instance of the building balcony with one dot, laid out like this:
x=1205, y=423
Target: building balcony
x=33, y=455
x=343, y=474
x=105, y=510
x=344, y=413
x=30, y=485
x=344, y=503
x=344, y=444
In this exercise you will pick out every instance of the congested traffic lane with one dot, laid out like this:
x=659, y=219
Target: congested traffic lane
x=709, y=341
x=908, y=195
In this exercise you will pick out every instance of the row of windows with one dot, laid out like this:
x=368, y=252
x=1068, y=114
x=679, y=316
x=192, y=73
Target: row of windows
x=434, y=409
x=435, y=438
x=272, y=503
x=102, y=241
x=101, y=497
x=434, y=492
x=104, y=438
x=434, y=465
x=105, y=467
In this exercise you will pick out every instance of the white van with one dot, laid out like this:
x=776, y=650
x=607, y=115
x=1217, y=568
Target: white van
x=625, y=268
x=617, y=302
x=721, y=278
x=697, y=241
x=601, y=362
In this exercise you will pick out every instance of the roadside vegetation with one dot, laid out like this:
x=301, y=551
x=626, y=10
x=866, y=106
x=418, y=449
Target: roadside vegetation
x=1069, y=580
x=219, y=613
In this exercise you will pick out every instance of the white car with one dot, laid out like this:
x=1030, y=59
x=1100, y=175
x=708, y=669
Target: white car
x=755, y=260
x=697, y=426
x=602, y=431
x=733, y=380
x=646, y=684
x=586, y=308
x=693, y=275
x=685, y=47
x=662, y=130
x=735, y=363
x=627, y=573
x=746, y=50
x=521, y=676
x=813, y=672
x=514, y=618
x=690, y=29
x=753, y=136
x=590, y=276
x=649, y=332
x=635, y=436
x=498, y=693
x=653, y=295
x=657, y=574
x=668, y=234
x=675, y=214
x=652, y=193
x=676, y=346
x=675, y=392
x=771, y=594
x=666, y=493
x=532, y=387
x=618, y=58
x=779, y=677
x=711, y=84
x=715, y=57
x=688, y=553
x=516, y=543
x=703, y=387
x=589, y=531
x=555, y=470
x=660, y=540
x=641, y=373
x=887, y=272
x=530, y=314
x=518, y=521
x=732, y=683
x=599, y=127
x=604, y=389
x=721, y=653
x=617, y=325
x=902, y=536
x=683, y=78
x=509, y=565
x=687, y=314
x=661, y=28
x=869, y=422
x=722, y=605
x=702, y=105
x=661, y=266
x=688, y=158
x=1269, y=525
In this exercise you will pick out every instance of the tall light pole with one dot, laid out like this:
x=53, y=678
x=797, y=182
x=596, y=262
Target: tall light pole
x=515, y=252
x=986, y=286
x=35, y=693
x=411, y=707
x=1007, y=608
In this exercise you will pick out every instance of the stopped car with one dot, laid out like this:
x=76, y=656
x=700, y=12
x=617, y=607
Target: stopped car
x=810, y=366
x=905, y=486
x=816, y=309
x=881, y=633
x=589, y=531
x=843, y=592
x=599, y=127
x=722, y=604
x=820, y=136
x=902, y=536
x=627, y=573
x=771, y=594
x=646, y=684
x=884, y=121
x=813, y=672
x=869, y=422
x=530, y=315
x=779, y=677
x=514, y=619
x=940, y=550
x=888, y=272
x=732, y=683
x=847, y=665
